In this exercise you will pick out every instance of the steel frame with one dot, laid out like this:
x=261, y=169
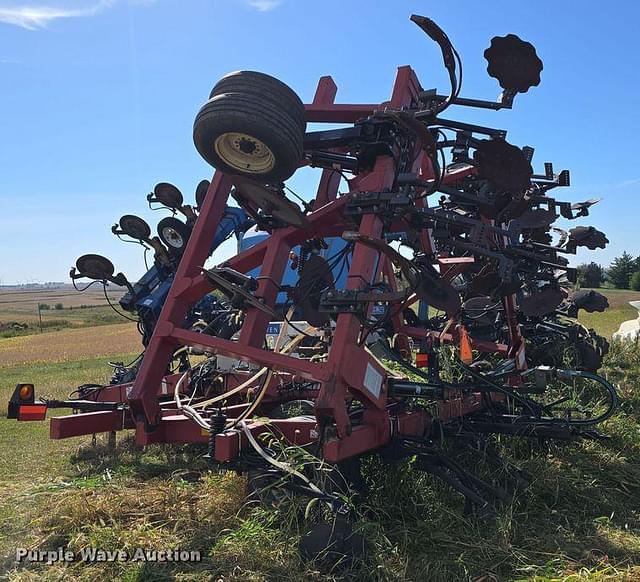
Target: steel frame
x=350, y=371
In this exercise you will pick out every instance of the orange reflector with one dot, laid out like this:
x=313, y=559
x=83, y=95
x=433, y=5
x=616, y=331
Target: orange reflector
x=466, y=352
x=32, y=412
x=422, y=360
x=26, y=391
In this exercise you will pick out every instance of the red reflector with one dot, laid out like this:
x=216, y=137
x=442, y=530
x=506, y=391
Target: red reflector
x=422, y=360
x=32, y=412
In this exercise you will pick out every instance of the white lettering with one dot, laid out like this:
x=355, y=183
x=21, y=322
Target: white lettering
x=100, y=555
x=21, y=553
x=139, y=555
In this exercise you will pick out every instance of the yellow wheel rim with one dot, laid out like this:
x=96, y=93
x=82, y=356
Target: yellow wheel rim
x=244, y=152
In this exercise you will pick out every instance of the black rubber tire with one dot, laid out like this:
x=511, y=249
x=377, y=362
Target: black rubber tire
x=180, y=228
x=267, y=122
x=201, y=192
x=264, y=87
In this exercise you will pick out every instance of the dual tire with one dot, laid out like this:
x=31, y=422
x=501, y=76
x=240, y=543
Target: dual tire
x=252, y=126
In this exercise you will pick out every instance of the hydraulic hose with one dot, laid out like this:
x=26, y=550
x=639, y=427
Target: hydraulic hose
x=610, y=388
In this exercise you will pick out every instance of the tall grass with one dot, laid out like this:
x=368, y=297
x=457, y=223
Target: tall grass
x=579, y=519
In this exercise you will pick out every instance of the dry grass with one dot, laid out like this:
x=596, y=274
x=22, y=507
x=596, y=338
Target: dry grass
x=69, y=345
x=87, y=309
x=166, y=510
x=578, y=521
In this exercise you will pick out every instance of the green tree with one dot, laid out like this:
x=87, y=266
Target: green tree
x=621, y=269
x=591, y=275
x=635, y=281
x=59, y=306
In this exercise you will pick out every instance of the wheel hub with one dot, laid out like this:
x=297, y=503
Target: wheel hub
x=244, y=152
x=172, y=237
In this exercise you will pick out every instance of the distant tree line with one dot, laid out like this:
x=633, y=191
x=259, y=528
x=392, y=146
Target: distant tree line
x=623, y=273
x=45, y=306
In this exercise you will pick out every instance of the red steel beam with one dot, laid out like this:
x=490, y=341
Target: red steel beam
x=363, y=438
x=298, y=431
x=269, y=281
x=29, y=412
x=143, y=400
x=306, y=369
x=178, y=429
x=354, y=371
x=338, y=113
x=330, y=179
x=72, y=425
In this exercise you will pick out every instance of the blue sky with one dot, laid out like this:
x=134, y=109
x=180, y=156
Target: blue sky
x=97, y=101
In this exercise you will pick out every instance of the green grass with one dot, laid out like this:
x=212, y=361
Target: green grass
x=608, y=322
x=57, y=319
x=30, y=463
x=578, y=520
x=56, y=380
x=27, y=453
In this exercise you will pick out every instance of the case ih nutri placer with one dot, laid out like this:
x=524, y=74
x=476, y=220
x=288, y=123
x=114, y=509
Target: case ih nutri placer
x=349, y=308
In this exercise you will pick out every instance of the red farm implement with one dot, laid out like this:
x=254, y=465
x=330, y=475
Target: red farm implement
x=346, y=307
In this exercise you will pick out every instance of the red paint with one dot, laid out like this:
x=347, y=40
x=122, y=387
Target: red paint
x=350, y=373
x=32, y=412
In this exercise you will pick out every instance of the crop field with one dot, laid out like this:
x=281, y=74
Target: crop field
x=579, y=519
x=12, y=300
x=59, y=309
x=70, y=344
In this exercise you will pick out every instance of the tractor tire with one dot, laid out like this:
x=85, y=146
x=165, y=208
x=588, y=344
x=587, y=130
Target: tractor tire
x=174, y=234
x=240, y=134
x=263, y=87
x=201, y=192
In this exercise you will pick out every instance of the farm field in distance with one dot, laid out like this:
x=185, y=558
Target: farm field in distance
x=578, y=520
x=608, y=322
x=60, y=308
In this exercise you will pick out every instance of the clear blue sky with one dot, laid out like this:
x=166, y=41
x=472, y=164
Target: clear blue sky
x=97, y=100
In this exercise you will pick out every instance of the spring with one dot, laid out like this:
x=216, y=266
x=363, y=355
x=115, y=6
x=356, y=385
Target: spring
x=304, y=256
x=217, y=424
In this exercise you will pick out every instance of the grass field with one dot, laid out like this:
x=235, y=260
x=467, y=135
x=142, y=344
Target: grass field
x=70, y=345
x=75, y=309
x=607, y=323
x=578, y=520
